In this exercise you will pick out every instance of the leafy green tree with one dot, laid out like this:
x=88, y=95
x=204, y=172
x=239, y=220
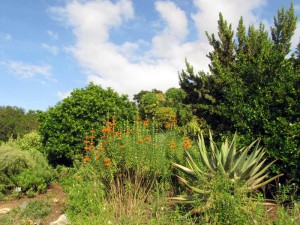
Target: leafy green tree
x=138, y=97
x=64, y=126
x=14, y=122
x=150, y=102
x=252, y=87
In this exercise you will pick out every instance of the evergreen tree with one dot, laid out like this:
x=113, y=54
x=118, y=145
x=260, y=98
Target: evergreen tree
x=253, y=87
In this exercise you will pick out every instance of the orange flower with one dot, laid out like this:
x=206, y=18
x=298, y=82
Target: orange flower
x=86, y=159
x=106, y=160
x=172, y=144
x=92, y=131
x=86, y=142
x=187, y=142
x=86, y=148
x=92, y=137
x=98, y=153
x=140, y=141
x=97, y=157
x=106, y=130
x=101, y=149
x=91, y=147
x=122, y=146
x=168, y=126
x=118, y=133
x=146, y=123
x=147, y=139
x=127, y=131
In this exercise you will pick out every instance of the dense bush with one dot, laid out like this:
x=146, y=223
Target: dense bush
x=23, y=169
x=64, y=126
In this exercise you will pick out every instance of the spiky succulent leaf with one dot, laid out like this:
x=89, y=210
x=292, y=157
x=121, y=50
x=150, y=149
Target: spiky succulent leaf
x=197, y=190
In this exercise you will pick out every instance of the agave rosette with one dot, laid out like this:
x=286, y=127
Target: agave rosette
x=244, y=167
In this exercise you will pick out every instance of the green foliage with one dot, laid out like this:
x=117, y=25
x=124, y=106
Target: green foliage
x=165, y=107
x=244, y=168
x=252, y=87
x=29, y=142
x=15, y=122
x=27, y=170
x=64, y=125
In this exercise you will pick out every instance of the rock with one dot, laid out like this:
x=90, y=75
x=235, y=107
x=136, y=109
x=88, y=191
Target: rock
x=55, y=200
x=62, y=220
x=4, y=210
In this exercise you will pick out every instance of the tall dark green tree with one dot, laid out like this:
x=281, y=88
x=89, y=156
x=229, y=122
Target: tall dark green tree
x=253, y=87
x=14, y=122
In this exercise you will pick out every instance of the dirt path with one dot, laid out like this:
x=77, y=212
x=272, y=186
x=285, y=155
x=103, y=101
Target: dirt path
x=55, y=194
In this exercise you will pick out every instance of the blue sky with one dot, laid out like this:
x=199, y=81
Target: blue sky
x=49, y=47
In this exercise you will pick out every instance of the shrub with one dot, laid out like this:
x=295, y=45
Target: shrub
x=63, y=126
x=27, y=170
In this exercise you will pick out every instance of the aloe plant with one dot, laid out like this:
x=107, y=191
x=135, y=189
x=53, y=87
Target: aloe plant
x=245, y=168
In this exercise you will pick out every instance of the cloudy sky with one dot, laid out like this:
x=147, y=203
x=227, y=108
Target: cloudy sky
x=49, y=47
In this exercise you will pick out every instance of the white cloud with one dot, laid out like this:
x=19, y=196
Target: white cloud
x=63, y=95
x=296, y=38
x=208, y=13
x=122, y=66
x=52, y=35
x=54, y=50
x=28, y=71
x=5, y=36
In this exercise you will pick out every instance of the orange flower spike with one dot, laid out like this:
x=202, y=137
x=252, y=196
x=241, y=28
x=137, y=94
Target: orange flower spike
x=146, y=123
x=148, y=139
x=106, y=160
x=86, y=159
x=168, y=126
